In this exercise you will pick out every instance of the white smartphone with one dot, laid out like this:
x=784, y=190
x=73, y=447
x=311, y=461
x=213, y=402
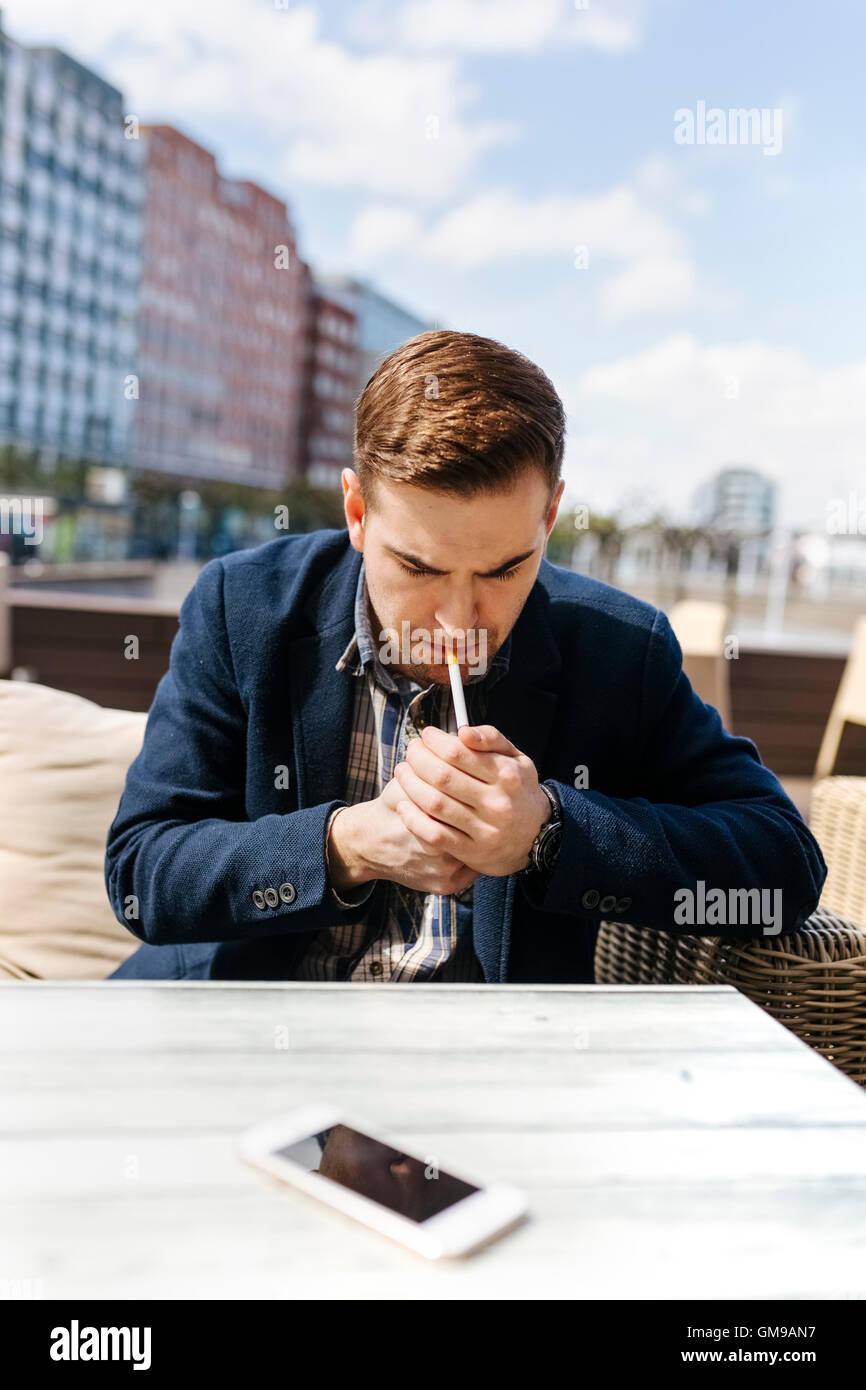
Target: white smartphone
x=328, y=1154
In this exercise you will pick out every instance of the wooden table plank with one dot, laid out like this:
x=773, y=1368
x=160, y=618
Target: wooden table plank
x=221, y=1016
x=673, y=1141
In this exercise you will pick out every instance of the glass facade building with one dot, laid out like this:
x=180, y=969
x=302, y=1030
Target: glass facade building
x=70, y=230
x=383, y=326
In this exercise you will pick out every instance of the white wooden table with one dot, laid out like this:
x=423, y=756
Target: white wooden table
x=674, y=1142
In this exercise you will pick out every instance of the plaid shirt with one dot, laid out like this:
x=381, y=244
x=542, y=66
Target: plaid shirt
x=404, y=934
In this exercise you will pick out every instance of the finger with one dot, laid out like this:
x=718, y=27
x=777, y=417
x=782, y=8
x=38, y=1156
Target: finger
x=442, y=839
x=455, y=751
x=487, y=739
x=436, y=804
x=443, y=776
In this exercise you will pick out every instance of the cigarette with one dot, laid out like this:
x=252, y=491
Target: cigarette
x=457, y=690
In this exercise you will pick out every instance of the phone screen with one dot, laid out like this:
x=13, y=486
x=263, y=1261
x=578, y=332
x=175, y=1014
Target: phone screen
x=410, y=1186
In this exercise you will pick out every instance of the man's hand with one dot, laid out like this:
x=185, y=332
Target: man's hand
x=474, y=796
x=370, y=840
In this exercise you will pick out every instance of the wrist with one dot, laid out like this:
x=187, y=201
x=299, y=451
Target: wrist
x=544, y=850
x=347, y=866
x=548, y=806
x=544, y=813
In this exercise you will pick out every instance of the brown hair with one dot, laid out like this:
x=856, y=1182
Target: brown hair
x=457, y=413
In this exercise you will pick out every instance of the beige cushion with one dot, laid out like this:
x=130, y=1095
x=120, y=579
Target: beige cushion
x=63, y=763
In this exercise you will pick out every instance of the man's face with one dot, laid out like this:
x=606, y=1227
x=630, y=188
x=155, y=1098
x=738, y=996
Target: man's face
x=459, y=567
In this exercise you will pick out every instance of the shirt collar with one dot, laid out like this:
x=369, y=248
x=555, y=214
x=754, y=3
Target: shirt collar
x=361, y=653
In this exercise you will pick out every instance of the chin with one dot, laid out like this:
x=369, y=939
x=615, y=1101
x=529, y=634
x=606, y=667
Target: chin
x=428, y=675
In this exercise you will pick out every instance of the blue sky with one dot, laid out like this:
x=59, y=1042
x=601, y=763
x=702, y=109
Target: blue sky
x=457, y=152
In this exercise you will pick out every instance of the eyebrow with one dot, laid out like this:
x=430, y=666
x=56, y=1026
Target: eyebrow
x=420, y=564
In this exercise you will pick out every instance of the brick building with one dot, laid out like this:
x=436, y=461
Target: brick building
x=331, y=369
x=221, y=322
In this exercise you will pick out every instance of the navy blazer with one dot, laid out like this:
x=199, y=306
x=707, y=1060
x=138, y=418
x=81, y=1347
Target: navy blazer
x=207, y=818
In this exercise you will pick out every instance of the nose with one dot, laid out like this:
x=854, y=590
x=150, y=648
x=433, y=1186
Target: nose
x=457, y=617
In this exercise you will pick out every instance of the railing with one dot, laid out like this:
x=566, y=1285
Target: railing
x=79, y=642
x=782, y=700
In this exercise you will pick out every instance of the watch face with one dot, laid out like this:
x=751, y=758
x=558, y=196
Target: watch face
x=548, y=848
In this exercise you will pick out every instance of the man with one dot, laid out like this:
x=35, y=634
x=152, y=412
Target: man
x=304, y=807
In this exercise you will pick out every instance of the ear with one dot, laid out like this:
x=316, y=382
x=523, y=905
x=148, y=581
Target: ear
x=554, y=506
x=353, y=506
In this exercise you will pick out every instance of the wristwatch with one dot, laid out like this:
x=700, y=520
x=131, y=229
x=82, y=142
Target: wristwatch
x=544, y=850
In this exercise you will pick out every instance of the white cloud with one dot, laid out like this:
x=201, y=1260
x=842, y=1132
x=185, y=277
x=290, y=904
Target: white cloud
x=380, y=230
x=659, y=179
x=698, y=407
x=601, y=470
x=498, y=225
x=389, y=125
x=265, y=80
x=515, y=26
x=649, y=285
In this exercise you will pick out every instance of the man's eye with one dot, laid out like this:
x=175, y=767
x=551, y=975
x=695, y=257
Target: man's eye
x=421, y=574
x=410, y=569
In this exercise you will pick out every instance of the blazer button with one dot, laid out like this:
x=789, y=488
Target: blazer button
x=272, y=897
x=259, y=899
x=590, y=898
x=623, y=904
x=287, y=892
x=607, y=904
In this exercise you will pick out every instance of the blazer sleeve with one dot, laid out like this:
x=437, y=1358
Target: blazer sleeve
x=182, y=860
x=712, y=812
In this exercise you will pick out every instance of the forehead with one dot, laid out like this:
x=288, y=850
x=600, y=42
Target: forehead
x=444, y=530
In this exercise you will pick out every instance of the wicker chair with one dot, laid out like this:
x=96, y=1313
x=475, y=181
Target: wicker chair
x=849, y=707
x=813, y=981
x=838, y=819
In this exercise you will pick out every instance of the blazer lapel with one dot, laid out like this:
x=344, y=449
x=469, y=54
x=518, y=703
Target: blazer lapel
x=323, y=698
